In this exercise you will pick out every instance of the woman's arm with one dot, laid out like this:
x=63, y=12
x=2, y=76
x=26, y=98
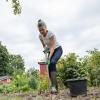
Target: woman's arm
x=52, y=46
x=42, y=43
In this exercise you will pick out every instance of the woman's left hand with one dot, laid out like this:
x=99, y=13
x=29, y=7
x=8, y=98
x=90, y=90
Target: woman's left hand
x=48, y=61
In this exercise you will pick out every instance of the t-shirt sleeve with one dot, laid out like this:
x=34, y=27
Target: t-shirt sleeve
x=50, y=35
x=40, y=37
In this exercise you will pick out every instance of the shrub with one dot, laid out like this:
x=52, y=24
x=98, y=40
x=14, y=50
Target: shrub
x=33, y=83
x=43, y=83
x=94, y=76
x=1, y=88
x=72, y=67
x=20, y=81
x=6, y=88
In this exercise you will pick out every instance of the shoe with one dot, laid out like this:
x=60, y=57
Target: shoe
x=53, y=90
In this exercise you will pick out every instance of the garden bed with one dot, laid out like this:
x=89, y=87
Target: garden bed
x=93, y=93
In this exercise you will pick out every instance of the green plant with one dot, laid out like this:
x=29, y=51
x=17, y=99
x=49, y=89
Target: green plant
x=20, y=81
x=72, y=67
x=33, y=83
x=43, y=83
x=93, y=65
x=94, y=74
x=6, y=88
x=1, y=88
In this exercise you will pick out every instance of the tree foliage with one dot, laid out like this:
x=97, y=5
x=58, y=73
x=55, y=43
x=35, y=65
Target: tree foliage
x=15, y=62
x=9, y=62
x=4, y=59
x=16, y=7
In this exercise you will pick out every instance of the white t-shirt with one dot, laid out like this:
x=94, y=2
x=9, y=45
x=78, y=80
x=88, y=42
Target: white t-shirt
x=46, y=39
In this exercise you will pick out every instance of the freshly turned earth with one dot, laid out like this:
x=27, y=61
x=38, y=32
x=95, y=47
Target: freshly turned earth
x=92, y=94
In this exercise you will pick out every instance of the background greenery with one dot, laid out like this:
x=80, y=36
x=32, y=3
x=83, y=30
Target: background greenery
x=69, y=66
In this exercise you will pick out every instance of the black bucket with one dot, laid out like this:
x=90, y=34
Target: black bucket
x=77, y=86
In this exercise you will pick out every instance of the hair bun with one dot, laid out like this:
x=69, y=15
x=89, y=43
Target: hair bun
x=41, y=23
x=39, y=20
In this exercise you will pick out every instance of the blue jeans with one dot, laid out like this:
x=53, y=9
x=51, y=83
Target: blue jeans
x=53, y=60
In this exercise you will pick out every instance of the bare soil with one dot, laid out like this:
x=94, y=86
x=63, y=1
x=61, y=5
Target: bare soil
x=93, y=93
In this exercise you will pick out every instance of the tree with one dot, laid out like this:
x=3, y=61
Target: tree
x=9, y=63
x=4, y=60
x=15, y=62
x=16, y=6
x=33, y=72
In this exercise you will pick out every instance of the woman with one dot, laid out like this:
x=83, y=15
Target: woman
x=48, y=40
